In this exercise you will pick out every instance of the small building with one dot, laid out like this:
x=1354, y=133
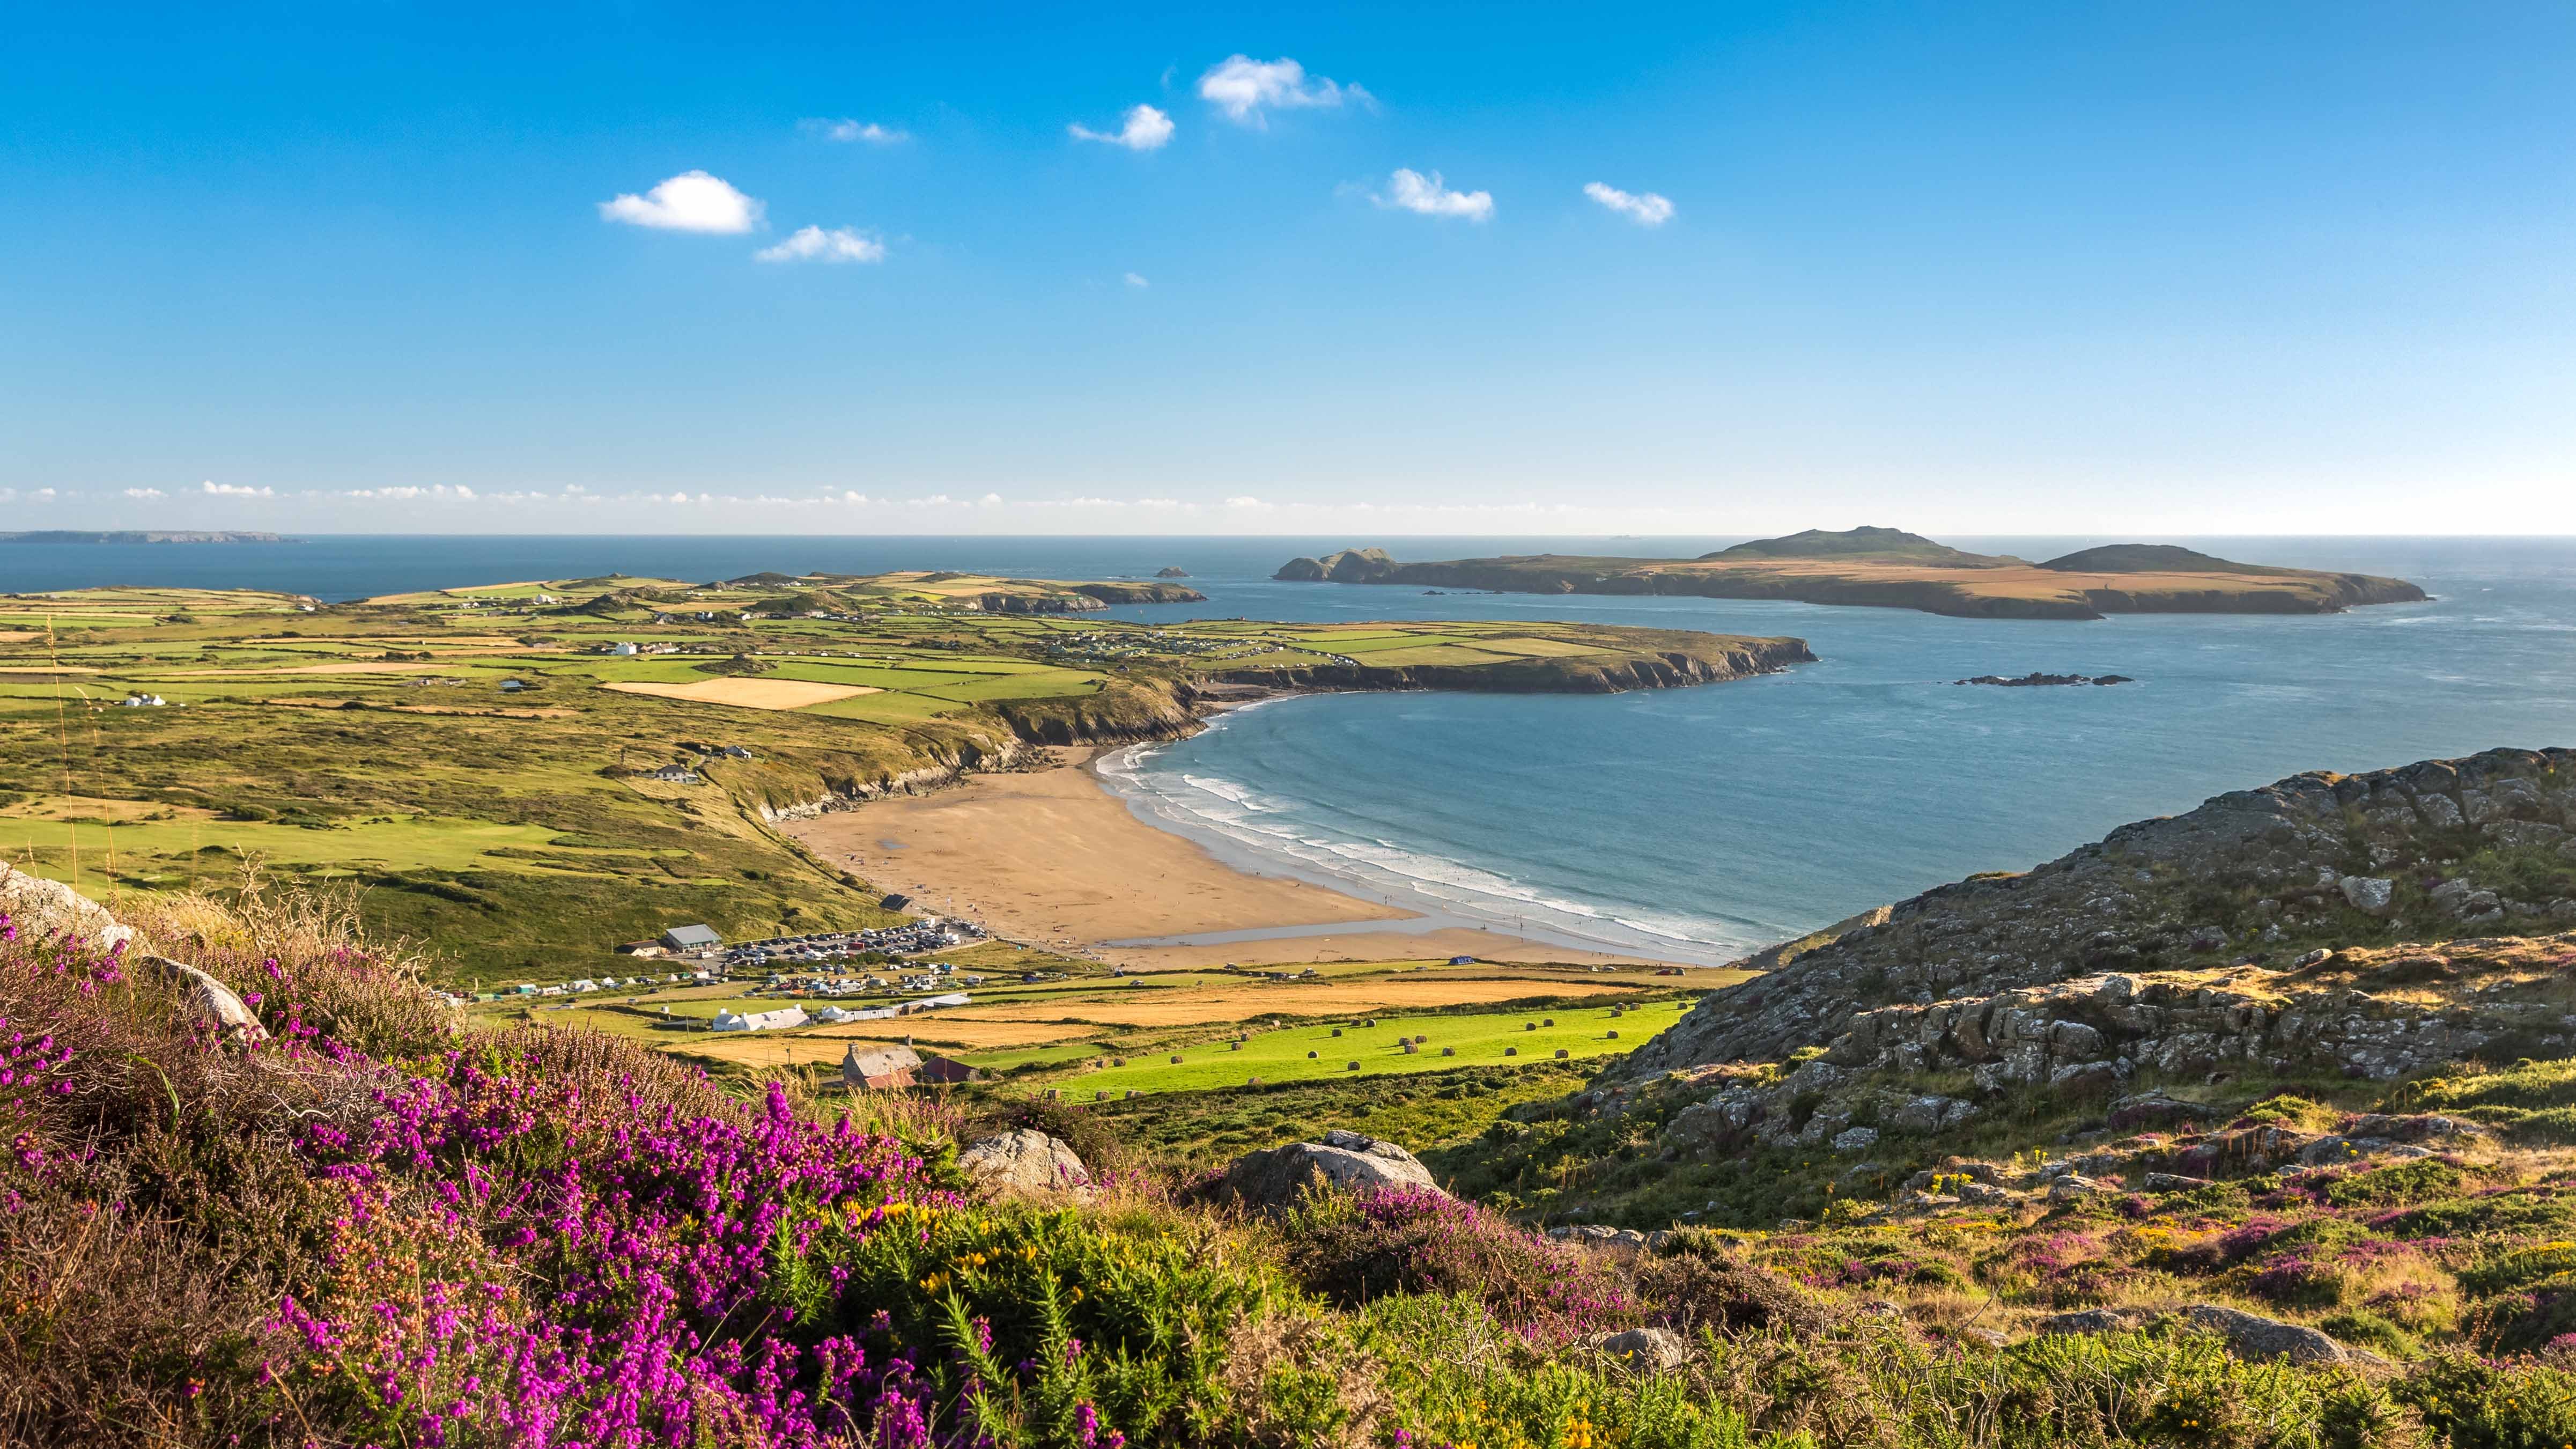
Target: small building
x=142, y=701
x=1462, y=960
x=673, y=775
x=646, y=949
x=691, y=938
x=622, y=650
x=896, y=901
x=879, y=1068
x=779, y=1020
x=943, y=1071
x=734, y=752
x=514, y=686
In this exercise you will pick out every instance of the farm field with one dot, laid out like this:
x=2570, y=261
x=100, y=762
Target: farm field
x=477, y=765
x=1065, y=1034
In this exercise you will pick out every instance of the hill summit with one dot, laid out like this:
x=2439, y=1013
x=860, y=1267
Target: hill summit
x=1892, y=545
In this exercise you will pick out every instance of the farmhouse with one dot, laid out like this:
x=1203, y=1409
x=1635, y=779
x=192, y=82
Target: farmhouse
x=691, y=938
x=674, y=775
x=879, y=1068
x=622, y=650
x=943, y=1071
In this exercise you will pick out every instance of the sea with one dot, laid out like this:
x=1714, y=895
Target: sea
x=1690, y=824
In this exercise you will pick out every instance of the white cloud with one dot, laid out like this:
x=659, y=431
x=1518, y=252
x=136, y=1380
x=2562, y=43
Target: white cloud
x=813, y=244
x=214, y=489
x=849, y=130
x=397, y=492
x=1146, y=130
x=1136, y=281
x=1410, y=190
x=1245, y=501
x=690, y=201
x=145, y=493
x=1245, y=88
x=1644, y=208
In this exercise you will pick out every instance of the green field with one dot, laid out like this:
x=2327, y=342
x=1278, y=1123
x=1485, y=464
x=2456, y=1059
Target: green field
x=456, y=755
x=1281, y=1055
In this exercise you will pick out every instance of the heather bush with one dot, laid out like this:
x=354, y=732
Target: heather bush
x=1355, y=1247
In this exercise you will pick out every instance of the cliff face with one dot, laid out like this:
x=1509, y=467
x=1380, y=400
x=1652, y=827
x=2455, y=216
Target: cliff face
x=1084, y=598
x=1736, y=659
x=2443, y=848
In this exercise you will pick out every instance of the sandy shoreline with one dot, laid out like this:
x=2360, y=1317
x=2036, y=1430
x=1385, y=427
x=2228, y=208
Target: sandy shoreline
x=1052, y=858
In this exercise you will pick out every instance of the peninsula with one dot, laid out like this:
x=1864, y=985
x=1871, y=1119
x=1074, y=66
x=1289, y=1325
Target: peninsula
x=1889, y=568
x=521, y=775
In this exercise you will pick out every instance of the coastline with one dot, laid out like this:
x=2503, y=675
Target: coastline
x=1055, y=858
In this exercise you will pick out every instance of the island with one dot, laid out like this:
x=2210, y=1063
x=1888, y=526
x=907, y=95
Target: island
x=153, y=535
x=1890, y=568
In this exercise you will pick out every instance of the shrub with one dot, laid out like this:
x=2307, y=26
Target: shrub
x=2397, y=1185
x=2474, y=1404
x=1355, y=1247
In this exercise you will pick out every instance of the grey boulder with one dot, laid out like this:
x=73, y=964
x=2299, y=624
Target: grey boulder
x=204, y=998
x=1023, y=1161
x=1650, y=1349
x=1276, y=1178
x=40, y=908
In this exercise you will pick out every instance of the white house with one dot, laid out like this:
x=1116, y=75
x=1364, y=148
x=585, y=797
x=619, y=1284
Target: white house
x=622, y=649
x=760, y=1020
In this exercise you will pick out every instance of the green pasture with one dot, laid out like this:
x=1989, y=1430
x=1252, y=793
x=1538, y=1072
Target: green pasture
x=1280, y=1055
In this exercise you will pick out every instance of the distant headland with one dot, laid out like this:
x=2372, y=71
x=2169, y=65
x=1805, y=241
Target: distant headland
x=1889, y=568
x=146, y=535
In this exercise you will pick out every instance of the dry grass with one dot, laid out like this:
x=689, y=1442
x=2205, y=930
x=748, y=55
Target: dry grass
x=772, y=694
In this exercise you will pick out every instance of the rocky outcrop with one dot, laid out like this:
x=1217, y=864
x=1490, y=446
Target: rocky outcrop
x=2247, y=1335
x=38, y=908
x=2127, y=906
x=1714, y=661
x=207, y=1000
x=1023, y=1161
x=1171, y=572
x=1276, y=1179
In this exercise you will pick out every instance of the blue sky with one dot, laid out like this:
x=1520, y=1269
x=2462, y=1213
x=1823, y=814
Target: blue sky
x=2092, y=268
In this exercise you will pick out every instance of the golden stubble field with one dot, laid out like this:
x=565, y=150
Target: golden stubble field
x=775, y=694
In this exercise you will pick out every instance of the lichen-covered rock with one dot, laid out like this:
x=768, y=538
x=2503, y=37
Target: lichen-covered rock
x=207, y=1000
x=1652, y=1350
x=1023, y=1161
x=38, y=908
x=2250, y=1335
x=2370, y=894
x=1276, y=1178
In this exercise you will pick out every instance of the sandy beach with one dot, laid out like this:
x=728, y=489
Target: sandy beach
x=1052, y=858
